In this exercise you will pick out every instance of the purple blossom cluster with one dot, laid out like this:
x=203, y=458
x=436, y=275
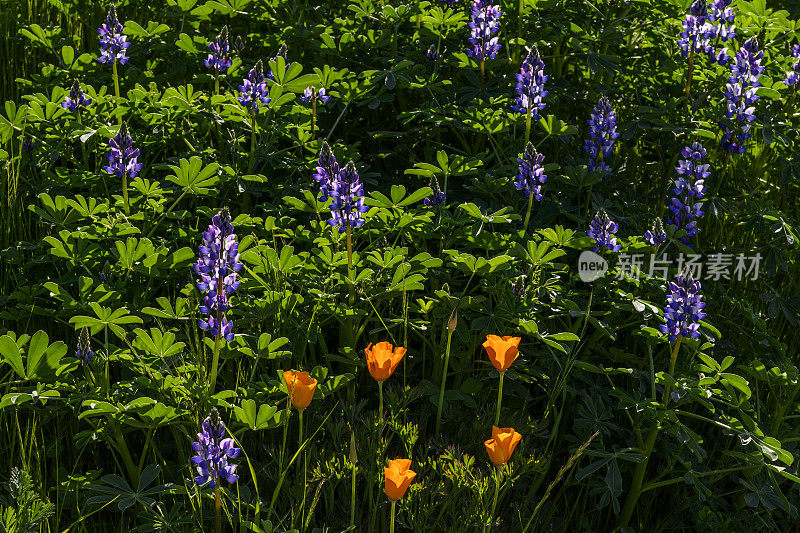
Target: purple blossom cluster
x=312, y=95
x=450, y=3
x=84, y=349
x=218, y=265
x=684, y=308
x=218, y=59
x=253, y=89
x=123, y=158
x=213, y=453
x=531, y=174
x=793, y=76
x=432, y=54
x=603, y=230
x=113, y=45
x=740, y=95
x=438, y=198
x=484, y=24
x=706, y=26
x=530, y=86
x=326, y=171
x=689, y=190
x=656, y=234
x=76, y=99
x=347, y=192
x=602, y=135
x=283, y=50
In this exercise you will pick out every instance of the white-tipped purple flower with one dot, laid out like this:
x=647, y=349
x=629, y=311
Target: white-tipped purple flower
x=348, y=206
x=84, y=349
x=113, y=44
x=283, y=50
x=213, y=453
x=484, y=24
x=793, y=76
x=438, y=198
x=218, y=59
x=740, y=95
x=530, y=86
x=603, y=230
x=602, y=135
x=531, y=174
x=76, y=99
x=218, y=265
x=123, y=158
x=686, y=205
x=684, y=308
x=656, y=234
x=253, y=89
x=312, y=95
x=706, y=24
x=326, y=172
x=432, y=54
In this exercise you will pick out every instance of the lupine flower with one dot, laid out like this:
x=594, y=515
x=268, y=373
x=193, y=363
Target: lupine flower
x=397, y=477
x=218, y=59
x=655, y=235
x=218, y=265
x=740, y=93
x=254, y=89
x=124, y=158
x=311, y=94
x=701, y=34
x=484, y=24
x=723, y=15
x=502, y=444
x=793, y=76
x=238, y=45
x=438, y=198
x=76, y=98
x=502, y=351
x=113, y=44
x=28, y=145
x=518, y=286
x=530, y=86
x=84, y=350
x=432, y=53
x=531, y=174
x=684, y=308
x=450, y=3
x=602, y=229
x=348, y=199
x=382, y=359
x=602, y=134
x=326, y=172
x=213, y=453
x=283, y=50
x=689, y=189
x=300, y=386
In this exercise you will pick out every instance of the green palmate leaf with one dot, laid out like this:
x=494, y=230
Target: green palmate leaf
x=193, y=177
x=41, y=361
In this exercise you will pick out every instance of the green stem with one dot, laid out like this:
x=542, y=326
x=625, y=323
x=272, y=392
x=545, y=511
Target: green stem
x=116, y=88
x=217, y=510
x=483, y=75
x=380, y=400
x=254, y=128
x=125, y=193
x=499, y=399
x=444, y=378
x=353, y=498
x=313, y=117
x=212, y=380
x=527, y=214
x=527, y=123
x=689, y=74
x=497, y=478
x=391, y=524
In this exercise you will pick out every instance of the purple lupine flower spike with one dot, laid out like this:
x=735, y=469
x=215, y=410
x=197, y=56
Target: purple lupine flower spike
x=76, y=99
x=530, y=86
x=450, y=3
x=218, y=58
x=656, y=234
x=483, y=25
x=793, y=76
x=253, y=89
x=740, y=95
x=705, y=26
x=531, y=174
x=689, y=190
x=326, y=172
x=283, y=51
x=123, y=158
x=214, y=452
x=218, y=265
x=84, y=349
x=432, y=54
x=684, y=308
x=113, y=44
x=438, y=198
x=311, y=94
x=348, y=206
x=603, y=230
x=602, y=135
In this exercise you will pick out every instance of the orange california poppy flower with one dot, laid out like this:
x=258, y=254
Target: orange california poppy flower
x=382, y=359
x=502, y=351
x=300, y=387
x=398, y=477
x=502, y=444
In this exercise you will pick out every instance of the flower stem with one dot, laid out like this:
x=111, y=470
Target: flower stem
x=217, y=510
x=528, y=118
x=253, y=128
x=499, y=399
x=116, y=88
x=527, y=213
x=353, y=497
x=380, y=400
x=313, y=117
x=391, y=524
x=641, y=468
x=689, y=74
x=483, y=75
x=497, y=475
x=212, y=381
x=125, y=193
x=444, y=378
